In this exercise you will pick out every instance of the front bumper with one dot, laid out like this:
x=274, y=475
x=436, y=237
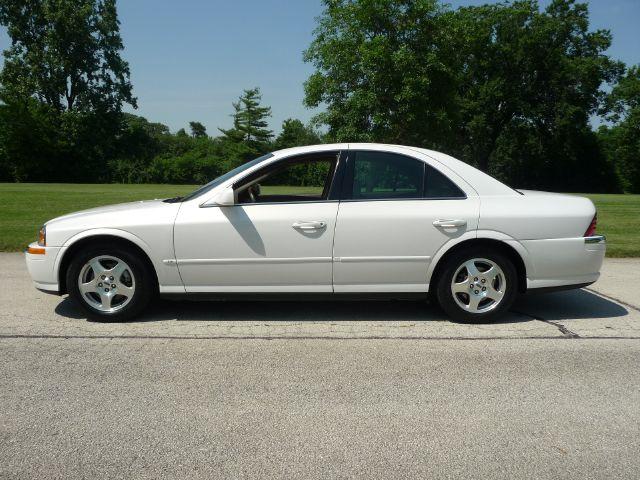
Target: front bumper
x=565, y=262
x=43, y=268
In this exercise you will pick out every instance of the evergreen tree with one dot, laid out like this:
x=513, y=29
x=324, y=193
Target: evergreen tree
x=249, y=136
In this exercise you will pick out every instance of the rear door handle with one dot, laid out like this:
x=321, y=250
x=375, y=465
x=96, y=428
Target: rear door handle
x=314, y=225
x=449, y=223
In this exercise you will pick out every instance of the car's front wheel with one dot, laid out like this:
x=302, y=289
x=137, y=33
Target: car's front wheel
x=477, y=286
x=109, y=283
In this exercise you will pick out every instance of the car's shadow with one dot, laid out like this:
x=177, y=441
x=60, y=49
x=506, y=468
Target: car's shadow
x=576, y=304
x=569, y=305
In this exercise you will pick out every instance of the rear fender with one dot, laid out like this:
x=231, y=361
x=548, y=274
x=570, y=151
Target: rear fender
x=480, y=235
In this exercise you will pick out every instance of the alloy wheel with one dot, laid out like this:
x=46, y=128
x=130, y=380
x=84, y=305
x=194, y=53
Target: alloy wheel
x=478, y=285
x=106, y=283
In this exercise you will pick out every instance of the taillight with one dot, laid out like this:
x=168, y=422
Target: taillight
x=592, y=227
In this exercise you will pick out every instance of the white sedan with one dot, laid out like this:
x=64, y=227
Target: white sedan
x=328, y=219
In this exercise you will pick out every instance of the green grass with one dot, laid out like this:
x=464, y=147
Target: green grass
x=24, y=207
x=619, y=220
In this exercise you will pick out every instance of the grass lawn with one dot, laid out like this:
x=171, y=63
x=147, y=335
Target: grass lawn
x=619, y=220
x=25, y=207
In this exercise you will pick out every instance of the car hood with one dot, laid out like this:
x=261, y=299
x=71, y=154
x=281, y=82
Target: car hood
x=145, y=219
x=129, y=207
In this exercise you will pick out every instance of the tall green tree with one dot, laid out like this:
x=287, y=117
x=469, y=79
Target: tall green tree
x=64, y=82
x=250, y=136
x=383, y=71
x=529, y=83
x=621, y=140
x=66, y=54
x=508, y=87
x=198, y=130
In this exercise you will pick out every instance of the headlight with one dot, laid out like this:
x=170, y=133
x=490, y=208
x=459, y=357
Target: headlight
x=42, y=237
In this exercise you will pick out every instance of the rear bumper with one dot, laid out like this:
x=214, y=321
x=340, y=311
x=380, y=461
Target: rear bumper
x=564, y=262
x=42, y=268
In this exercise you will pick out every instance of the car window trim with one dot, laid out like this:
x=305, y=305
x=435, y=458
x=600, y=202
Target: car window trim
x=347, y=190
x=349, y=171
x=301, y=202
x=406, y=199
x=267, y=169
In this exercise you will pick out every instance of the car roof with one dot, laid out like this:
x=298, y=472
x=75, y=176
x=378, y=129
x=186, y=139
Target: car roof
x=481, y=182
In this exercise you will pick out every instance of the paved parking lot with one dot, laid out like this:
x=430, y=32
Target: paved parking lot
x=322, y=389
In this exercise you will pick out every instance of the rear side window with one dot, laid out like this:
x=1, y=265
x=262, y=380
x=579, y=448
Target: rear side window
x=382, y=175
x=436, y=185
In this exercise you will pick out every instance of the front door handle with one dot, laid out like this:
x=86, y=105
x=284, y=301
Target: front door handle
x=449, y=223
x=314, y=225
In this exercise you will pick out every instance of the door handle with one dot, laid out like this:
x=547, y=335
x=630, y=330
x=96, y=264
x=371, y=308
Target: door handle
x=449, y=223
x=314, y=225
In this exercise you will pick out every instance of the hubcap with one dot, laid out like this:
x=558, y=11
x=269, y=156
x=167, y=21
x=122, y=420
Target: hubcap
x=106, y=283
x=478, y=285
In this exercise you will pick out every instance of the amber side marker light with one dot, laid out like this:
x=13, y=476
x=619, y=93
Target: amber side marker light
x=36, y=250
x=42, y=237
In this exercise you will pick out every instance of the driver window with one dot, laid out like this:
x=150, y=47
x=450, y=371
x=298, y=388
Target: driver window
x=297, y=180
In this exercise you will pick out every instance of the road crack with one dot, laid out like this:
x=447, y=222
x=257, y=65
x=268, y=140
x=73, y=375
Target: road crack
x=561, y=328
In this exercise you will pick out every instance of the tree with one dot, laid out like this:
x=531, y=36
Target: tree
x=249, y=137
x=66, y=54
x=198, y=130
x=295, y=134
x=64, y=83
x=506, y=87
x=382, y=70
x=621, y=141
x=138, y=142
x=529, y=82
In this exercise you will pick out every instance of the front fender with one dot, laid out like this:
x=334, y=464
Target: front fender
x=113, y=232
x=169, y=280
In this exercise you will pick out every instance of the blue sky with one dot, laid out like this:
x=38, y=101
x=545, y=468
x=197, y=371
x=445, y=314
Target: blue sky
x=191, y=58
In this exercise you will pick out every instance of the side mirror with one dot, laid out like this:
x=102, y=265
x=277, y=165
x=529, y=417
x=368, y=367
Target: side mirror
x=225, y=198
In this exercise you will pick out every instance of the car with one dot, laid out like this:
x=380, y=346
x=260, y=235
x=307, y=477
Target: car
x=335, y=220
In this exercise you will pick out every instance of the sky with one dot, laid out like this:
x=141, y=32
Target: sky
x=190, y=59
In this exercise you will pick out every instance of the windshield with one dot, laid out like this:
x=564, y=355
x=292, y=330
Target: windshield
x=223, y=178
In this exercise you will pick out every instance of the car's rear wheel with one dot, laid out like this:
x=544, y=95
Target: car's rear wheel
x=477, y=286
x=110, y=283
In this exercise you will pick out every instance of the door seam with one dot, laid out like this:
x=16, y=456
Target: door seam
x=333, y=248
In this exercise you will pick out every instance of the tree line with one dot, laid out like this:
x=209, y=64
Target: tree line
x=526, y=94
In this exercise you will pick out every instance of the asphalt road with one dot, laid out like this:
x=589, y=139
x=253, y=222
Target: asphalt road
x=322, y=389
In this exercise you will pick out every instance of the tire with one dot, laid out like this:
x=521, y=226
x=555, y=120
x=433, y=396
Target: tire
x=477, y=296
x=110, y=283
